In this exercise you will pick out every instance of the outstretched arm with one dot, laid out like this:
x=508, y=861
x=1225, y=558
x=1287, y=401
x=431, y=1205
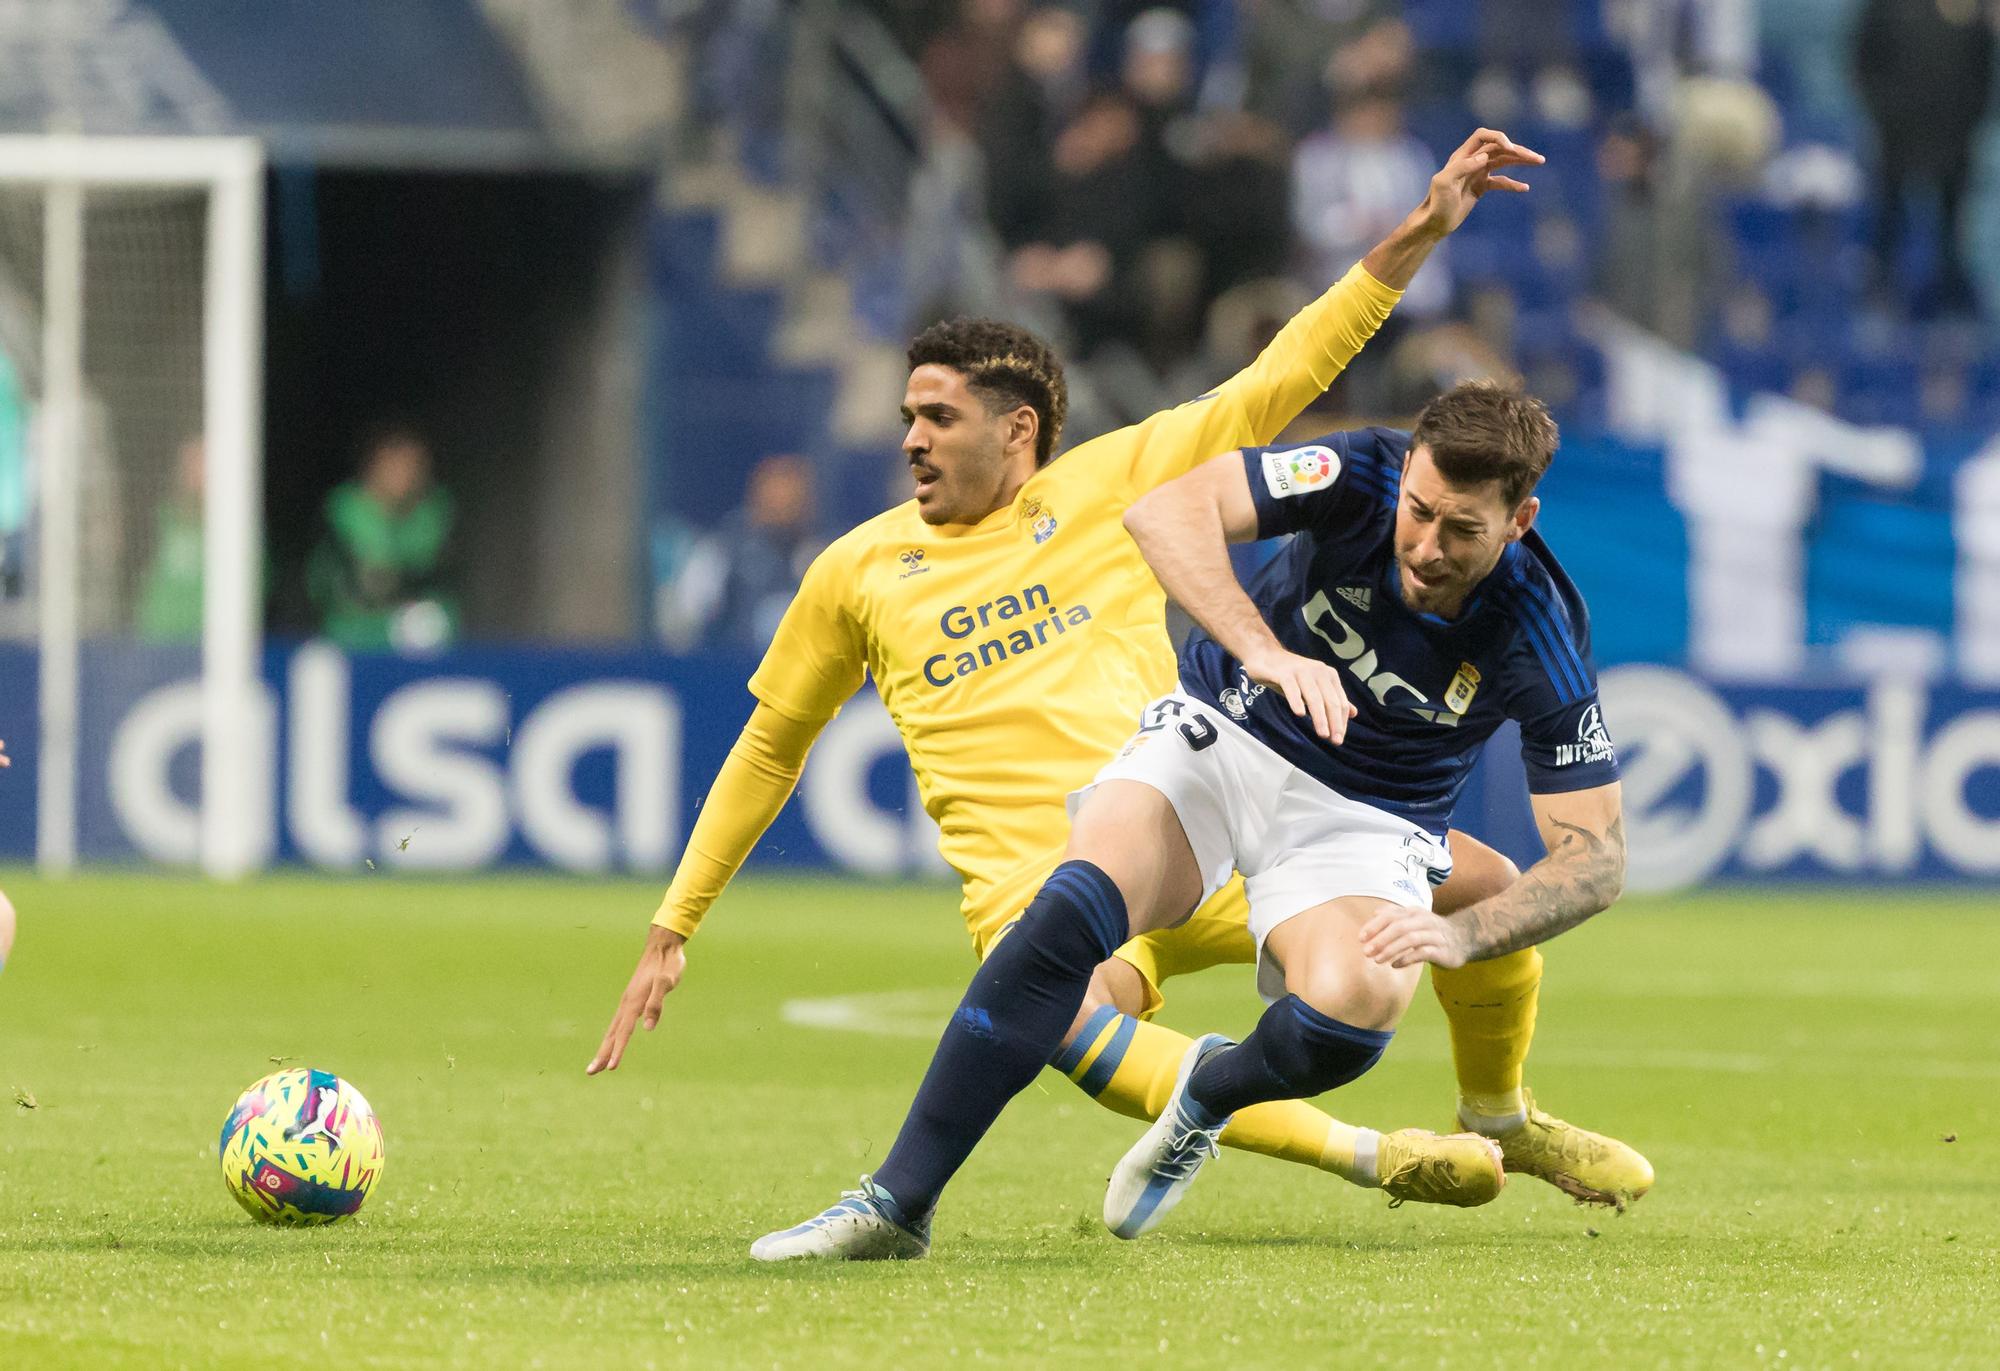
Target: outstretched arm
x=1319, y=342
x=1183, y=529
x=1582, y=874
x=1470, y=172
x=755, y=781
x=1253, y=407
x=816, y=661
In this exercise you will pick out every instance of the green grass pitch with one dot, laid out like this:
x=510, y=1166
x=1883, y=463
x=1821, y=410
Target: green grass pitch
x=1813, y=1075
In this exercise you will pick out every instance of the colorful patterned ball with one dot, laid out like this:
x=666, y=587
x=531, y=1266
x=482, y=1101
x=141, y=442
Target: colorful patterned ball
x=301, y=1147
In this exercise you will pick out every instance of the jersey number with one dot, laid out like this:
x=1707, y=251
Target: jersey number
x=1198, y=731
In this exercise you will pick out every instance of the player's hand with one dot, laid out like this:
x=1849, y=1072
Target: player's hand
x=660, y=969
x=1404, y=935
x=1311, y=688
x=1472, y=171
x=5, y=760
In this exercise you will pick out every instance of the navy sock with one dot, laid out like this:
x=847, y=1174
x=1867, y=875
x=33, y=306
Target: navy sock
x=1009, y=1024
x=1294, y=1053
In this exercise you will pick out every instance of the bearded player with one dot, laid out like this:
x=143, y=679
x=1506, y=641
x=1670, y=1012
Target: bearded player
x=1012, y=629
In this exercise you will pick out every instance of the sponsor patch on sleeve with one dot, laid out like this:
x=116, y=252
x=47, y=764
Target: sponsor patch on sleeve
x=1593, y=743
x=1297, y=470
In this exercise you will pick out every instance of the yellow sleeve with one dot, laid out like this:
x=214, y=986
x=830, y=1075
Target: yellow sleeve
x=752, y=786
x=819, y=656
x=1253, y=407
x=815, y=663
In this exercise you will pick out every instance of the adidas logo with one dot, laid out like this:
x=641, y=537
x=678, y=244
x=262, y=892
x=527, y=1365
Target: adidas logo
x=1358, y=596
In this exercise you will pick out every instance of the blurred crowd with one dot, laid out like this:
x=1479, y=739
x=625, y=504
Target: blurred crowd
x=379, y=575
x=1173, y=177
x=729, y=586
x=1168, y=180
x=1785, y=190
x=1162, y=170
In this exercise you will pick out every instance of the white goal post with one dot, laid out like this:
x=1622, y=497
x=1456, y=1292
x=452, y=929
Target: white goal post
x=65, y=170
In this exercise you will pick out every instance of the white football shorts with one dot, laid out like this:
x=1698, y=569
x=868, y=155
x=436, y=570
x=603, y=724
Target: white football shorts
x=1245, y=808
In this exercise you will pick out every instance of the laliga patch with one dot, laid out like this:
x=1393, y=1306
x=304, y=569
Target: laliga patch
x=1295, y=471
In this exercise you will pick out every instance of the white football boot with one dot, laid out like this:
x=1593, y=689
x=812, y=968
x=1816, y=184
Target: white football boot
x=1151, y=1178
x=867, y=1225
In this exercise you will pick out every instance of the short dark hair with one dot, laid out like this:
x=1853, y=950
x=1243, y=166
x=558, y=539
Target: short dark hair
x=1480, y=431
x=1005, y=366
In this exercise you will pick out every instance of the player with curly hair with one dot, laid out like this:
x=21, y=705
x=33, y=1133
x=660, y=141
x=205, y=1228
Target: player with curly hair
x=1013, y=631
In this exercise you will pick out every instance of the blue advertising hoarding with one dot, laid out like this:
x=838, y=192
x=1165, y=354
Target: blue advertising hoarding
x=587, y=762
x=597, y=763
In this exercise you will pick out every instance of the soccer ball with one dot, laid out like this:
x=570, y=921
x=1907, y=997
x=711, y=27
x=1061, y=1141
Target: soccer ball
x=301, y=1147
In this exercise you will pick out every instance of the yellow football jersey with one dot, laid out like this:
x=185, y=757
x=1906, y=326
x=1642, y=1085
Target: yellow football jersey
x=1016, y=653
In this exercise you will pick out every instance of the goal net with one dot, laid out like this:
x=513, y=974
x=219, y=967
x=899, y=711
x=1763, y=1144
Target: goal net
x=131, y=321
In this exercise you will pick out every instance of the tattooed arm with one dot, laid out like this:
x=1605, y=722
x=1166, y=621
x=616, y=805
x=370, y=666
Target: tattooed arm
x=1582, y=874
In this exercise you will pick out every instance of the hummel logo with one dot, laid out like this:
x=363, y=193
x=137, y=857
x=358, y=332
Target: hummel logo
x=1358, y=596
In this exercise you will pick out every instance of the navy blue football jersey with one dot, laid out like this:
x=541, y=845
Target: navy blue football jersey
x=1430, y=691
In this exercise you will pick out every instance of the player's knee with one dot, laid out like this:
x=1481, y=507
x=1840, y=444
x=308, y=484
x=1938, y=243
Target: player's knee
x=1074, y=922
x=1363, y=993
x=1322, y=989
x=1313, y=1052
x=1116, y=984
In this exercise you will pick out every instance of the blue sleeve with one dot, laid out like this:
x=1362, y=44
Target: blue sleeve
x=1553, y=691
x=1568, y=748
x=1321, y=483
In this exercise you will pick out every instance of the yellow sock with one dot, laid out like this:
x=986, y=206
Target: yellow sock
x=1129, y=1066
x=1491, y=1007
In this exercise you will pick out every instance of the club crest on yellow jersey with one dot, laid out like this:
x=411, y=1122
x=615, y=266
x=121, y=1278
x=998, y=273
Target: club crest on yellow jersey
x=1041, y=520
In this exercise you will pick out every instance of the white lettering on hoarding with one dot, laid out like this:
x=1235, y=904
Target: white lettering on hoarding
x=421, y=743
x=160, y=825
x=327, y=828
x=1896, y=721
x=641, y=726
x=1917, y=790
x=462, y=797
x=138, y=769
x=842, y=814
x=1673, y=728
x=1809, y=761
x=1967, y=744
